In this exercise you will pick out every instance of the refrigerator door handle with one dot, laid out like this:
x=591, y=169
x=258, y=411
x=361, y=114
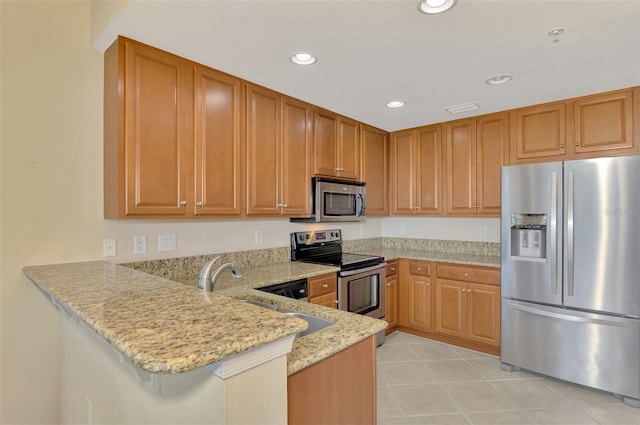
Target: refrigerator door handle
x=554, y=229
x=609, y=321
x=570, y=245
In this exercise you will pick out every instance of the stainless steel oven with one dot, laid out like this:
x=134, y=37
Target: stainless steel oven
x=361, y=288
x=362, y=291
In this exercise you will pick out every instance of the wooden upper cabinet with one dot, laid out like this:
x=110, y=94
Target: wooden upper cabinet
x=603, y=122
x=172, y=136
x=146, y=164
x=218, y=143
x=374, y=169
x=475, y=151
x=539, y=131
x=336, y=145
x=415, y=158
x=278, y=154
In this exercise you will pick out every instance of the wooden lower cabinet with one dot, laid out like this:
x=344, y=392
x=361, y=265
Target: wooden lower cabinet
x=456, y=304
x=391, y=296
x=416, y=296
x=323, y=290
x=340, y=389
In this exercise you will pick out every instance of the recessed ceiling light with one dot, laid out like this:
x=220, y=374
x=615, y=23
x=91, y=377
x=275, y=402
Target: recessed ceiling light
x=395, y=104
x=432, y=7
x=303, y=58
x=471, y=106
x=499, y=79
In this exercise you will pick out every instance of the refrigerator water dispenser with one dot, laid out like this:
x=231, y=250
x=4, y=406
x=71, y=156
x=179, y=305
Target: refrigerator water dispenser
x=528, y=235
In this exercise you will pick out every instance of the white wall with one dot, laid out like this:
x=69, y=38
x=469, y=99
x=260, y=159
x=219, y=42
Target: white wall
x=51, y=194
x=461, y=229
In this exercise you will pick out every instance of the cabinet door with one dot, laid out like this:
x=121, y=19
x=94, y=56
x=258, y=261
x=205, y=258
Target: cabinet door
x=603, y=122
x=325, y=142
x=492, y=145
x=374, y=169
x=391, y=307
x=327, y=300
x=421, y=306
x=483, y=313
x=348, y=152
x=539, y=132
x=428, y=167
x=155, y=99
x=450, y=307
x=403, y=173
x=218, y=143
x=263, y=151
x=460, y=166
x=296, y=157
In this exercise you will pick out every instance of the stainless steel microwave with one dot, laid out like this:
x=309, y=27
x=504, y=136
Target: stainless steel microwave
x=336, y=200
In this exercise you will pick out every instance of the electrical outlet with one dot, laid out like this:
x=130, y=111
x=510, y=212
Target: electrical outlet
x=403, y=230
x=139, y=245
x=361, y=230
x=109, y=247
x=259, y=236
x=167, y=242
x=482, y=232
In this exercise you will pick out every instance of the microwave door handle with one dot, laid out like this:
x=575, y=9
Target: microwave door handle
x=360, y=205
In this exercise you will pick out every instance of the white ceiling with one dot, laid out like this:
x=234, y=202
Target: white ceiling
x=373, y=51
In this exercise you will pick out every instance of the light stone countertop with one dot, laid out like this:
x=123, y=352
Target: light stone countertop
x=441, y=257
x=163, y=326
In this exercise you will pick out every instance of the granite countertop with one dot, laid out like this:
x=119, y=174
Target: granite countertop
x=163, y=326
x=441, y=257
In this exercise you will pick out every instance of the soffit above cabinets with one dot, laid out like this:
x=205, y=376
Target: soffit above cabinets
x=372, y=52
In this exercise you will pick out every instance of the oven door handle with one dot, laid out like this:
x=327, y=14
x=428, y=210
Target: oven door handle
x=365, y=270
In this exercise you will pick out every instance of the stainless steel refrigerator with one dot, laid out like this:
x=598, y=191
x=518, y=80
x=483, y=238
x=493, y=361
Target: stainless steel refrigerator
x=570, y=254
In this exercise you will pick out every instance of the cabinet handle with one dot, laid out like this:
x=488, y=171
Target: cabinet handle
x=419, y=269
x=335, y=302
x=393, y=269
x=466, y=275
x=578, y=143
x=183, y=203
x=561, y=146
x=324, y=285
x=199, y=203
x=388, y=284
x=468, y=291
x=285, y=205
x=426, y=284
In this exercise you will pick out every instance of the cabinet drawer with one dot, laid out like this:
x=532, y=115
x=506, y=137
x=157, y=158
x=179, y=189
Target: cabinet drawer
x=392, y=268
x=420, y=268
x=321, y=285
x=468, y=274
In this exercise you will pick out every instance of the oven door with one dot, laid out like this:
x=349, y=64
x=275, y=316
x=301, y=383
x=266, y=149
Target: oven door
x=362, y=291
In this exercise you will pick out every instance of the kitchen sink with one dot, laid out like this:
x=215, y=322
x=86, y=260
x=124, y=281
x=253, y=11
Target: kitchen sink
x=315, y=323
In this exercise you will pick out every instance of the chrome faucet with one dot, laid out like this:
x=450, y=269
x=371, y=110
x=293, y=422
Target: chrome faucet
x=207, y=281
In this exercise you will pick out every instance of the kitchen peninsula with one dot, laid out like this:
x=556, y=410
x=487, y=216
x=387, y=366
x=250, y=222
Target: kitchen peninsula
x=177, y=342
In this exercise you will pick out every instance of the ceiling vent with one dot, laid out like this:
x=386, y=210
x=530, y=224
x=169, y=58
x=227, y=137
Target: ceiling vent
x=471, y=106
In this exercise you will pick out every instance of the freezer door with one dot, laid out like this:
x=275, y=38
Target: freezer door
x=602, y=236
x=589, y=349
x=531, y=229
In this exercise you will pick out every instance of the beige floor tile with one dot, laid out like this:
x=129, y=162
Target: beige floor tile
x=395, y=353
x=470, y=354
x=453, y=370
x=560, y=416
x=490, y=369
x=396, y=420
x=529, y=394
x=411, y=339
x=614, y=415
x=433, y=351
x=395, y=338
x=405, y=373
x=516, y=417
x=437, y=420
x=422, y=399
x=387, y=407
x=580, y=396
x=477, y=397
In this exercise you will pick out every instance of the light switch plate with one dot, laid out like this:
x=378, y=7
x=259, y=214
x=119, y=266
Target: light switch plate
x=167, y=242
x=109, y=247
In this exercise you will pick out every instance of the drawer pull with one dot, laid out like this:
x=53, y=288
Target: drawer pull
x=324, y=285
x=466, y=275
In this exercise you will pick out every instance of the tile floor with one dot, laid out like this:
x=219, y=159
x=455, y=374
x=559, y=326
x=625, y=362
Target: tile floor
x=426, y=382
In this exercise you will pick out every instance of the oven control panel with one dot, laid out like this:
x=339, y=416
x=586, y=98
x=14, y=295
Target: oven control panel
x=316, y=237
